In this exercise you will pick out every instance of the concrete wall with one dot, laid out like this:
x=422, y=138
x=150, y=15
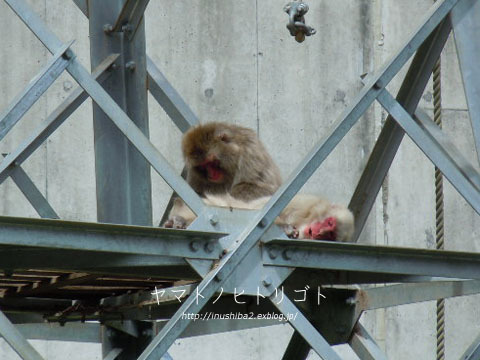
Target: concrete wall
x=235, y=61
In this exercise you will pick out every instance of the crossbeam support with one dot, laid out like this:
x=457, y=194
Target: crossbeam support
x=434, y=144
x=111, y=108
x=24, y=101
x=16, y=340
x=364, y=345
x=392, y=134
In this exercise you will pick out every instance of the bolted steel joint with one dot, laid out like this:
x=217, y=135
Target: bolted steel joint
x=107, y=28
x=379, y=84
x=351, y=300
x=127, y=28
x=287, y=254
x=68, y=54
x=194, y=246
x=213, y=219
x=267, y=281
x=131, y=66
x=209, y=247
x=272, y=252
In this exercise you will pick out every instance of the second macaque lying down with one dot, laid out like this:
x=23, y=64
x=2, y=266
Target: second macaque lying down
x=305, y=217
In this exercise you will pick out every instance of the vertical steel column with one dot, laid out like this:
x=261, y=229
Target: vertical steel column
x=126, y=346
x=122, y=174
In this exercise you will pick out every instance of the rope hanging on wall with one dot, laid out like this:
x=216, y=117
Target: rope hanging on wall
x=439, y=209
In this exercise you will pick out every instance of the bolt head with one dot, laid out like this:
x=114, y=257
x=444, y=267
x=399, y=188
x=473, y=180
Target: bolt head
x=272, y=252
x=267, y=281
x=107, y=28
x=287, y=254
x=194, y=246
x=131, y=65
x=209, y=246
x=213, y=220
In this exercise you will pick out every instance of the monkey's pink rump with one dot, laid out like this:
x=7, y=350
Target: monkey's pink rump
x=322, y=230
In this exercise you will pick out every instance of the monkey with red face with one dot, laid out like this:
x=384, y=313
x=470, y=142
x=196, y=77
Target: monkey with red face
x=228, y=166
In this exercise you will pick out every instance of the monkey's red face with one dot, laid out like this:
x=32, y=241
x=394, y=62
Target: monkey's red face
x=212, y=171
x=211, y=152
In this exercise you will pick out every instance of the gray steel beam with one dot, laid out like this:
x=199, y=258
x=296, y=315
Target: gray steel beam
x=466, y=26
x=24, y=101
x=15, y=339
x=473, y=351
x=394, y=295
x=108, y=238
x=297, y=349
x=31, y=192
x=434, y=144
x=368, y=258
x=364, y=346
x=304, y=328
x=82, y=5
x=54, y=120
x=76, y=332
x=247, y=238
x=130, y=345
x=111, y=109
x=40, y=258
x=130, y=17
x=160, y=88
x=122, y=174
x=169, y=99
x=391, y=135
x=113, y=354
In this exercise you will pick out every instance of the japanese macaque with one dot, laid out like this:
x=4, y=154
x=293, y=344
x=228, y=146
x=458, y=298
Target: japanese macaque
x=305, y=217
x=228, y=166
x=222, y=158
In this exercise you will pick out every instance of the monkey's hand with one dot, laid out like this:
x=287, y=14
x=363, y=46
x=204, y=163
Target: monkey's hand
x=175, y=222
x=180, y=216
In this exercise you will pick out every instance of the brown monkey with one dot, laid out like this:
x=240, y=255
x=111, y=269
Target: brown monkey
x=305, y=217
x=224, y=158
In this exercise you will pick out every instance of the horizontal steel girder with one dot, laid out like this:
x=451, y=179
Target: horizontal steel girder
x=109, y=238
x=368, y=258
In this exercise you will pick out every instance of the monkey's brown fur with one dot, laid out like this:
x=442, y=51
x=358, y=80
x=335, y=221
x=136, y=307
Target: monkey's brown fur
x=228, y=159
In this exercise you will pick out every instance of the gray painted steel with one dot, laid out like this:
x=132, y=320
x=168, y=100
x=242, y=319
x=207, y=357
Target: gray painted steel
x=21, y=346
x=169, y=99
x=52, y=122
x=473, y=351
x=364, y=346
x=33, y=195
x=466, y=25
x=108, y=238
x=391, y=135
x=432, y=144
x=35, y=89
x=383, y=259
x=122, y=174
x=303, y=326
x=394, y=295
